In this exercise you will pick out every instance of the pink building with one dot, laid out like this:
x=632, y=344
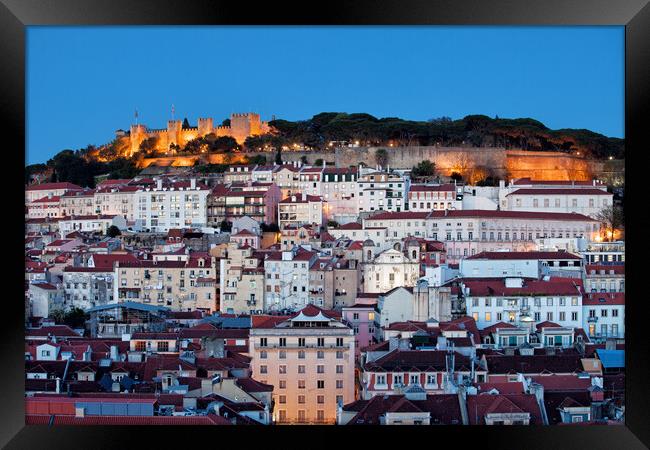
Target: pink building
x=361, y=317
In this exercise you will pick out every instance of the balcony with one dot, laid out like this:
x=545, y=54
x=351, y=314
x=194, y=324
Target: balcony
x=302, y=347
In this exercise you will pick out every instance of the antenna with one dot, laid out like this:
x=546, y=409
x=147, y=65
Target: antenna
x=173, y=111
x=136, y=116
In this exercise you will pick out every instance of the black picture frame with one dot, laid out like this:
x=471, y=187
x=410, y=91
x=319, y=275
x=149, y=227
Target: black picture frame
x=15, y=15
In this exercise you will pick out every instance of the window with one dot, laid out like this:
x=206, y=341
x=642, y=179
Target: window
x=263, y=369
x=283, y=342
x=488, y=317
x=301, y=384
x=380, y=379
x=301, y=369
x=321, y=342
x=414, y=379
x=320, y=415
x=339, y=354
x=283, y=399
x=574, y=316
x=398, y=379
x=499, y=317
x=301, y=354
x=339, y=342
x=339, y=384
x=140, y=346
x=549, y=316
x=320, y=354
x=283, y=384
x=549, y=302
x=339, y=369
x=603, y=313
x=537, y=317
x=320, y=384
x=475, y=316
x=320, y=369
x=163, y=346
x=320, y=399
x=263, y=342
x=562, y=316
x=283, y=354
x=614, y=312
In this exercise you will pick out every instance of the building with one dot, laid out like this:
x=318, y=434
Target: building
x=390, y=269
x=426, y=197
x=604, y=252
x=116, y=199
x=181, y=285
x=604, y=278
x=532, y=264
x=45, y=207
x=309, y=359
x=300, y=209
x=604, y=315
x=381, y=191
x=91, y=224
x=493, y=300
x=287, y=278
x=339, y=191
x=361, y=317
x=176, y=204
x=241, y=281
x=588, y=202
x=332, y=282
x=44, y=298
x=78, y=203
x=87, y=287
x=37, y=191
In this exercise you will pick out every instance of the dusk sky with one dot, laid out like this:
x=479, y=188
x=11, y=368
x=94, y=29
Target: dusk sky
x=83, y=83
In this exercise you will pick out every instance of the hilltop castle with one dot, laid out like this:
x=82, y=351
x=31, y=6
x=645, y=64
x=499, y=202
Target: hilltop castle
x=241, y=126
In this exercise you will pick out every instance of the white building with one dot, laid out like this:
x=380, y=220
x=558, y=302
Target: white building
x=44, y=298
x=581, y=201
x=300, y=209
x=604, y=315
x=36, y=191
x=426, y=197
x=339, y=191
x=287, y=278
x=87, y=287
x=91, y=224
x=490, y=301
x=521, y=264
x=390, y=269
x=381, y=191
x=78, y=203
x=605, y=278
x=179, y=204
x=118, y=200
x=396, y=305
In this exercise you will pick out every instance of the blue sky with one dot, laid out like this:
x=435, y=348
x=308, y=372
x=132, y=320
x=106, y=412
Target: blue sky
x=83, y=83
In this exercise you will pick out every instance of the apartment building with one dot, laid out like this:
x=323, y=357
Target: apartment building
x=426, y=197
x=241, y=281
x=309, y=359
x=177, y=284
x=381, y=191
x=300, y=209
x=287, y=278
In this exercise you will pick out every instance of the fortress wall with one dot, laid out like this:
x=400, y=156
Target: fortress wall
x=506, y=164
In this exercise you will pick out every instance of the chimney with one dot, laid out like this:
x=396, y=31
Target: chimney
x=304, y=197
x=193, y=183
x=115, y=354
x=58, y=385
x=393, y=343
x=159, y=183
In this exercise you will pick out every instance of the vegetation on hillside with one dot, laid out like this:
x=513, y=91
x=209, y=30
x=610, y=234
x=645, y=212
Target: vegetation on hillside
x=473, y=131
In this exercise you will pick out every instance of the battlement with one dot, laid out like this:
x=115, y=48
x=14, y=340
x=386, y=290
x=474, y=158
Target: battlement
x=246, y=115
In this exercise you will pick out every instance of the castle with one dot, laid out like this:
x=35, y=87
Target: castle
x=241, y=126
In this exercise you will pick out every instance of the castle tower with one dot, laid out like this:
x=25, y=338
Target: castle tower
x=138, y=133
x=243, y=125
x=174, y=128
x=205, y=126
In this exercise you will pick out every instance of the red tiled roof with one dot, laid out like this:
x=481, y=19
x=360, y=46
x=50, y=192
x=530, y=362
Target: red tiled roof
x=583, y=191
x=481, y=404
x=444, y=409
x=350, y=226
x=54, y=330
x=53, y=199
x=503, y=388
x=108, y=260
x=417, y=360
x=299, y=199
x=497, y=288
x=562, y=382
x=399, y=215
x=619, y=269
x=559, y=363
x=52, y=186
x=603, y=298
x=547, y=324
x=431, y=188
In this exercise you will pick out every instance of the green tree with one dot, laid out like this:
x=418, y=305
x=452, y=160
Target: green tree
x=225, y=144
x=318, y=162
x=186, y=123
x=381, y=157
x=303, y=159
x=424, y=168
x=612, y=218
x=278, y=157
x=113, y=231
x=148, y=146
x=225, y=123
x=456, y=176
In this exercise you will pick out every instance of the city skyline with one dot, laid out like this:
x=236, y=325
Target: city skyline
x=92, y=67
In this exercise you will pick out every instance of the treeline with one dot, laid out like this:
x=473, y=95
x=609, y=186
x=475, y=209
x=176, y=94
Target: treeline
x=474, y=131
x=78, y=167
